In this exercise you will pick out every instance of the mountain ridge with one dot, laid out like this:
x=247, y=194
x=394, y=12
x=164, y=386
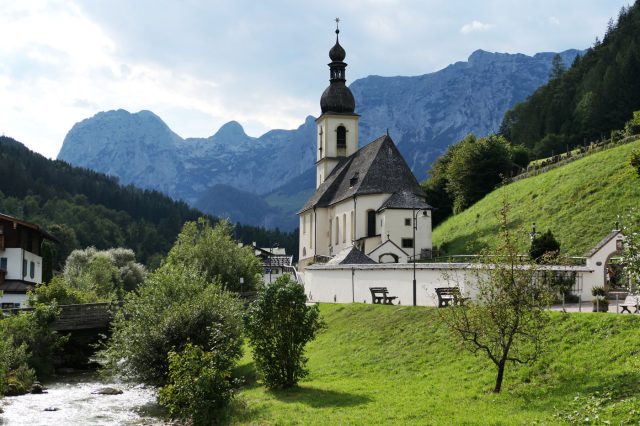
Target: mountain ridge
x=423, y=114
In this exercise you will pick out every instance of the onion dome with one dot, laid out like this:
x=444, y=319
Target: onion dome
x=337, y=97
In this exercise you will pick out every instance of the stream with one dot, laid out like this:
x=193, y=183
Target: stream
x=74, y=403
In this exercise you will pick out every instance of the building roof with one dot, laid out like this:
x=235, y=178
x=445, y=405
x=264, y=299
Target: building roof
x=377, y=168
x=406, y=200
x=351, y=256
x=26, y=224
x=603, y=242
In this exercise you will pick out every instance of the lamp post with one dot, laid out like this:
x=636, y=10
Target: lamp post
x=415, y=228
x=533, y=234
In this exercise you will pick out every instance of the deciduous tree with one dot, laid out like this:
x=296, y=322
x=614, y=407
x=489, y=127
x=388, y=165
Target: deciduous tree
x=505, y=319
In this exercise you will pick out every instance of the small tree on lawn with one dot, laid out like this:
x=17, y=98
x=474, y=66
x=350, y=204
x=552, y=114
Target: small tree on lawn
x=279, y=325
x=506, y=318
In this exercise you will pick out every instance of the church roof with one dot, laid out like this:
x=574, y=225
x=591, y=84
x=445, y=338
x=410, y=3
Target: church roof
x=374, y=169
x=405, y=200
x=351, y=256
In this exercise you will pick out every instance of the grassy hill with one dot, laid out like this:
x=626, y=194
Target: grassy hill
x=579, y=202
x=397, y=365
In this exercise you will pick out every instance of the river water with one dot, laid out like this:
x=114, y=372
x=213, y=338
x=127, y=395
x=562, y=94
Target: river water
x=76, y=404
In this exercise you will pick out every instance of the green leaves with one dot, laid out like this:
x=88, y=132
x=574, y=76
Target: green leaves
x=213, y=253
x=279, y=324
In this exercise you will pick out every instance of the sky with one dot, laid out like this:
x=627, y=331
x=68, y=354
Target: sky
x=201, y=63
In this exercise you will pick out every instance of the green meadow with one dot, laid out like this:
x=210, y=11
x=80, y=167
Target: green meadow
x=377, y=364
x=578, y=202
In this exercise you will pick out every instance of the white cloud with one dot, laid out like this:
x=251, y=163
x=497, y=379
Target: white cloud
x=553, y=20
x=475, y=26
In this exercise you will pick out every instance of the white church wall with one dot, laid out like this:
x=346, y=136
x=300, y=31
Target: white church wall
x=329, y=123
x=397, y=229
x=351, y=283
x=364, y=204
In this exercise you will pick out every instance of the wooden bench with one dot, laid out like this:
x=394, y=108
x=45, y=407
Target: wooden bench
x=379, y=295
x=631, y=301
x=448, y=296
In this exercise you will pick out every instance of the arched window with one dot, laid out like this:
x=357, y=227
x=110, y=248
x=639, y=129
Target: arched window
x=371, y=223
x=304, y=252
x=353, y=229
x=337, y=230
x=341, y=140
x=344, y=228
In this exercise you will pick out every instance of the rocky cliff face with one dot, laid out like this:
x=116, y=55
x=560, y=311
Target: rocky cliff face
x=423, y=115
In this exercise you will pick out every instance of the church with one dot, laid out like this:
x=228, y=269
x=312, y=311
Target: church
x=367, y=201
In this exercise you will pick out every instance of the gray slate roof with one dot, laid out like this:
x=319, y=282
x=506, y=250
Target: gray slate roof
x=351, y=256
x=374, y=169
x=405, y=200
x=603, y=242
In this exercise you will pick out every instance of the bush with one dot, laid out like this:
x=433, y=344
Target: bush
x=632, y=127
x=199, y=385
x=544, y=247
x=634, y=160
x=57, y=291
x=617, y=135
x=279, y=325
x=174, y=306
x=16, y=377
x=33, y=330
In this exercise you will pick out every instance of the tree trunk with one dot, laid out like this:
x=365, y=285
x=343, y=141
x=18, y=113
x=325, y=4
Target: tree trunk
x=499, y=376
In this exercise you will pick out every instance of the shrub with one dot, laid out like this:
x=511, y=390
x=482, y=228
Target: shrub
x=199, y=385
x=172, y=307
x=598, y=291
x=617, y=135
x=632, y=127
x=59, y=292
x=279, y=325
x=544, y=247
x=16, y=377
x=33, y=330
x=634, y=160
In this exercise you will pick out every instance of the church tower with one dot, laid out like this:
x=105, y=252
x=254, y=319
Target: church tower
x=338, y=124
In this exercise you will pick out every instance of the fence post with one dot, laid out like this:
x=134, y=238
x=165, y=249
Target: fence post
x=580, y=302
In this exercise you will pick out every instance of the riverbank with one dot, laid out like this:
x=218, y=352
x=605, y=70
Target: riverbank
x=71, y=400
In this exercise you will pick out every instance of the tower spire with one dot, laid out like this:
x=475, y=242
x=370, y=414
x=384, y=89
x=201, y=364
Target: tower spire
x=337, y=97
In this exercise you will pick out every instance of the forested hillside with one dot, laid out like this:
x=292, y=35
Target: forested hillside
x=85, y=208
x=597, y=94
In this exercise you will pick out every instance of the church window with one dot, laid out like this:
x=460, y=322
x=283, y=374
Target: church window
x=344, y=228
x=341, y=140
x=337, y=230
x=407, y=243
x=353, y=230
x=304, y=224
x=304, y=252
x=371, y=223
x=330, y=229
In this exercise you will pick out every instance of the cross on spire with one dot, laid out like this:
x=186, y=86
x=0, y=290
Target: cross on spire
x=337, y=24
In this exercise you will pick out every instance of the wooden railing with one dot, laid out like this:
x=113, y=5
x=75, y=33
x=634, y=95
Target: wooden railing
x=79, y=317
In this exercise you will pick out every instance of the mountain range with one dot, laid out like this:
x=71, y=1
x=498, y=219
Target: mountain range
x=265, y=180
